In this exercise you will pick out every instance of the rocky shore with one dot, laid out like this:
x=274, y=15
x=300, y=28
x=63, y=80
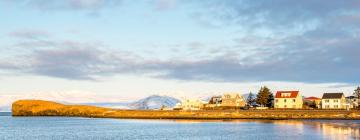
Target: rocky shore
x=47, y=108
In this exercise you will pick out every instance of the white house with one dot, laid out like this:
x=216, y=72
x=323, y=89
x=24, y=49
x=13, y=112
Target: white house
x=333, y=101
x=189, y=104
x=352, y=101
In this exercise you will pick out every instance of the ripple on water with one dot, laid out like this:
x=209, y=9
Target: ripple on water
x=90, y=128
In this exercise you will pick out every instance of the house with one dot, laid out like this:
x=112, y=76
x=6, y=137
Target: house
x=352, y=101
x=288, y=99
x=232, y=100
x=215, y=101
x=312, y=102
x=333, y=101
x=190, y=105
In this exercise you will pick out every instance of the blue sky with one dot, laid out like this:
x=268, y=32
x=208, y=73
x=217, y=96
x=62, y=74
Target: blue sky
x=136, y=48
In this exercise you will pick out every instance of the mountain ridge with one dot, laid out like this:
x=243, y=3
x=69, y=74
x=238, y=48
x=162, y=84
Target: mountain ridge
x=154, y=102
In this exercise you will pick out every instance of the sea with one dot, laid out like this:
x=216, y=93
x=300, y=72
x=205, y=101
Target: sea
x=76, y=128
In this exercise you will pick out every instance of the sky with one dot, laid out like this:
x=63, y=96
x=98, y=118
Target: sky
x=130, y=49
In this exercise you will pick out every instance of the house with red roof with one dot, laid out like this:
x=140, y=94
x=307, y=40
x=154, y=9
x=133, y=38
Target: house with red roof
x=288, y=100
x=312, y=102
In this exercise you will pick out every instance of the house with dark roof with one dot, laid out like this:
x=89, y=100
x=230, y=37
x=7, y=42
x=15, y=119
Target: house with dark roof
x=288, y=99
x=333, y=101
x=353, y=101
x=215, y=101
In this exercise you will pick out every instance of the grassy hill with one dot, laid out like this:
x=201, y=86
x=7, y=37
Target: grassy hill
x=47, y=108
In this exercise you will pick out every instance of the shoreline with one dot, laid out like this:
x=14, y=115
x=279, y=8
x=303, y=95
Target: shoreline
x=33, y=108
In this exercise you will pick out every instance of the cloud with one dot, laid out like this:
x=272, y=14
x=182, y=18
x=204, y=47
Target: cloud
x=80, y=63
x=165, y=4
x=274, y=16
x=29, y=34
x=310, y=41
x=75, y=5
x=304, y=64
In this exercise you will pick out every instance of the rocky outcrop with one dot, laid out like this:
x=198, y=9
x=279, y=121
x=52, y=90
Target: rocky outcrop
x=46, y=108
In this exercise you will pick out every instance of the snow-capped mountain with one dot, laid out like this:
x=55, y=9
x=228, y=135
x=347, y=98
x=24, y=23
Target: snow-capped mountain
x=154, y=102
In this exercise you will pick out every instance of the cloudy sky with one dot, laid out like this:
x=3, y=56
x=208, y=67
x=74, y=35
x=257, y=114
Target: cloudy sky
x=126, y=48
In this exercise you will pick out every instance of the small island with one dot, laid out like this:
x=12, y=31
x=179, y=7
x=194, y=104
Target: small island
x=48, y=108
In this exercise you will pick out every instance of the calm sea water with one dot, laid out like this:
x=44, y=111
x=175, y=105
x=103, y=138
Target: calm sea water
x=59, y=128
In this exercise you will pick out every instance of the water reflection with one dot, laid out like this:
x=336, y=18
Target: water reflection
x=340, y=130
x=329, y=129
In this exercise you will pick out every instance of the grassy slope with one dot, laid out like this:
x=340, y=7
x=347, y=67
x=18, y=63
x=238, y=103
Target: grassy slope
x=47, y=108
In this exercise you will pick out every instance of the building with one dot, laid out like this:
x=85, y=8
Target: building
x=312, y=102
x=232, y=100
x=352, y=101
x=215, y=101
x=333, y=101
x=190, y=105
x=288, y=99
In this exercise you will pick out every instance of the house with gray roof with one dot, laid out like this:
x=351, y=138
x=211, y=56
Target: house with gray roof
x=333, y=101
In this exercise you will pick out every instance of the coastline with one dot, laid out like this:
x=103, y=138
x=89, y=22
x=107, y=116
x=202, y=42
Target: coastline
x=24, y=108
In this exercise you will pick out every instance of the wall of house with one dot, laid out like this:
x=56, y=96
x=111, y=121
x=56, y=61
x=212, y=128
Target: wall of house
x=233, y=102
x=191, y=105
x=353, y=102
x=332, y=104
x=289, y=103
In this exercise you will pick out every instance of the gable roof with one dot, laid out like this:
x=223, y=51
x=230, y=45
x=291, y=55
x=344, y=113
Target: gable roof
x=332, y=95
x=293, y=94
x=351, y=97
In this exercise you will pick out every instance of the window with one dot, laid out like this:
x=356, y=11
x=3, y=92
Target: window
x=335, y=101
x=336, y=106
x=327, y=106
x=327, y=100
x=285, y=105
x=294, y=100
x=277, y=100
x=285, y=100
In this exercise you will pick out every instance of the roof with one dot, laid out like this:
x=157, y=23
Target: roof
x=332, y=95
x=293, y=94
x=312, y=98
x=351, y=97
x=215, y=99
x=217, y=96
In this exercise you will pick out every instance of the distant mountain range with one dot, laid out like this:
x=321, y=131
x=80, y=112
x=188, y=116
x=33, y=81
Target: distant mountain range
x=150, y=102
x=154, y=102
